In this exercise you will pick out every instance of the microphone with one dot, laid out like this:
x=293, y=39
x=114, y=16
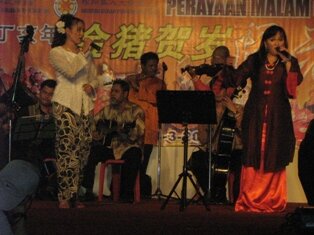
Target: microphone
x=95, y=46
x=164, y=66
x=285, y=53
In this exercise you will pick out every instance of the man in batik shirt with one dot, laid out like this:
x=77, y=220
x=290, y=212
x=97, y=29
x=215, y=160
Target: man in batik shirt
x=119, y=134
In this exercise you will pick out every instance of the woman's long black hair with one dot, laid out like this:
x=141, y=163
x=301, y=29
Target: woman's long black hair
x=262, y=51
x=69, y=20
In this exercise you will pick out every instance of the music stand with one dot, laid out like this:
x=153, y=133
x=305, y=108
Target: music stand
x=37, y=127
x=186, y=107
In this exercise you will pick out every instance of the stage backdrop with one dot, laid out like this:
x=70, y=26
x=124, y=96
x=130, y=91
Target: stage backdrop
x=182, y=32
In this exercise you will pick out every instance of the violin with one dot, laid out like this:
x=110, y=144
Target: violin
x=135, y=79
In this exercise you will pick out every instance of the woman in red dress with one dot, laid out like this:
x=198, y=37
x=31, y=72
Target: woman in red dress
x=267, y=129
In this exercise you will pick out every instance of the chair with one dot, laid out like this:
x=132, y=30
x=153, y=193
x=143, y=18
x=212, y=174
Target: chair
x=116, y=181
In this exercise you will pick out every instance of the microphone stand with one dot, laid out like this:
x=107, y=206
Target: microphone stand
x=158, y=193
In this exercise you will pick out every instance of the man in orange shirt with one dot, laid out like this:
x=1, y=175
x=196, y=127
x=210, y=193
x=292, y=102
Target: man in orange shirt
x=144, y=87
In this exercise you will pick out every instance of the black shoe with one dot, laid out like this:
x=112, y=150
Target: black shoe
x=216, y=199
x=88, y=197
x=146, y=197
x=219, y=200
x=126, y=199
x=52, y=193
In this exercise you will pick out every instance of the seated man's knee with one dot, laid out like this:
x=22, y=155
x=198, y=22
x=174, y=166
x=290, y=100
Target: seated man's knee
x=133, y=154
x=198, y=159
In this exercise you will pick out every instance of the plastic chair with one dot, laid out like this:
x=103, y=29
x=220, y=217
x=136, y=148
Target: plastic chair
x=116, y=181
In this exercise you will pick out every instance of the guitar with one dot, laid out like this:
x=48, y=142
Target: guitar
x=110, y=128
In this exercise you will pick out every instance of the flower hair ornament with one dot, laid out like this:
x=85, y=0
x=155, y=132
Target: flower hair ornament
x=60, y=27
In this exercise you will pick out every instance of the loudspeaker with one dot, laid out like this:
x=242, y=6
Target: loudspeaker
x=304, y=218
x=306, y=163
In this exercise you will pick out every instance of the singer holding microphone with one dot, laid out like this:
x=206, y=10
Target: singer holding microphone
x=72, y=105
x=267, y=128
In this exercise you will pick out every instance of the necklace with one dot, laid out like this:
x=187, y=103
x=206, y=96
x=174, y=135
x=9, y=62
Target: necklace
x=270, y=67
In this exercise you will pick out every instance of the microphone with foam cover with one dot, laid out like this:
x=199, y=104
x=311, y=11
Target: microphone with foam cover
x=285, y=53
x=95, y=46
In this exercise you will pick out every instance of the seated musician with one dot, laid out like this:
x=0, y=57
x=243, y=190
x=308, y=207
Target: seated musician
x=143, y=89
x=199, y=160
x=225, y=109
x=119, y=134
x=44, y=105
x=45, y=148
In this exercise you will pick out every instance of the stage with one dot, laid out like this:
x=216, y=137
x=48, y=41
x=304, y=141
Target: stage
x=44, y=218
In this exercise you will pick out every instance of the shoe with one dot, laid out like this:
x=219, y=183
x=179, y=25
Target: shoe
x=76, y=203
x=218, y=201
x=221, y=199
x=126, y=199
x=64, y=205
x=146, y=197
x=51, y=194
x=88, y=197
x=79, y=205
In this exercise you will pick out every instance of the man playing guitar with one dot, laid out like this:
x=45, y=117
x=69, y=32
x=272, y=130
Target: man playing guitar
x=123, y=123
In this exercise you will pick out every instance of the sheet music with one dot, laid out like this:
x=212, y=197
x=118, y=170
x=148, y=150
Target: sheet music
x=35, y=127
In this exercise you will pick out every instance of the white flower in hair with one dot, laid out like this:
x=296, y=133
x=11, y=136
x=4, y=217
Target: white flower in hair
x=60, y=27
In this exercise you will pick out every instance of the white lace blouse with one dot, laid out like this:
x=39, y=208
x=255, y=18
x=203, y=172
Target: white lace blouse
x=72, y=72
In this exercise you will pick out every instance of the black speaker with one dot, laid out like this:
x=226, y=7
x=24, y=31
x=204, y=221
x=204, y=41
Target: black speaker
x=304, y=218
x=306, y=163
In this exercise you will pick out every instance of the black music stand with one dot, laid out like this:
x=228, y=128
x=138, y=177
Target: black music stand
x=186, y=107
x=36, y=127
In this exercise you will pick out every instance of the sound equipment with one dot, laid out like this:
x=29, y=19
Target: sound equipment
x=305, y=216
x=301, y=221
x=306, y=163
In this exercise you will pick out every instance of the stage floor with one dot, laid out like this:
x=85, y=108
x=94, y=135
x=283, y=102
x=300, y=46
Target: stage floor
x=146, y=217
